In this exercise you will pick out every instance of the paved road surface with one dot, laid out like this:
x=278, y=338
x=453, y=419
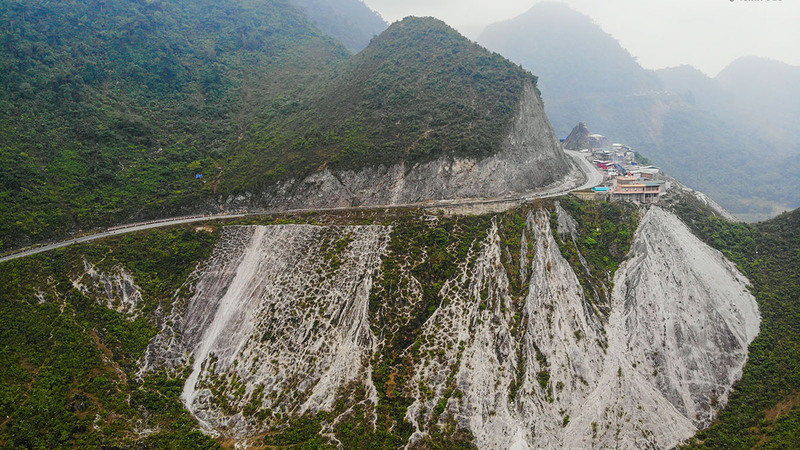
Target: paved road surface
x=591, y=175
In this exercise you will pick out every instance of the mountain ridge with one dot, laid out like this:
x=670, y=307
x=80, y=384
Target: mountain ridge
x=234, y=119
x=704, y=146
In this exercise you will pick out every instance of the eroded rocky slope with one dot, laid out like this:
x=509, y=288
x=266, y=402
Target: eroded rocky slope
x=507, y=332
x=529, y=158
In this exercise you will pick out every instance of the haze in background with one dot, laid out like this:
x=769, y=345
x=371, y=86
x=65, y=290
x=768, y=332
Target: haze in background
x=660, y=33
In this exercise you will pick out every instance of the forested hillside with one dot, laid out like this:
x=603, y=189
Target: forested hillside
x=108, y=110
x=70, y=352
x=420, y=91
x=115, y=112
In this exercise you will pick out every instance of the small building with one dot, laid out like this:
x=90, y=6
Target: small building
x=621, y=170
x=585, y=195
x=632, y=189
x=604, y=164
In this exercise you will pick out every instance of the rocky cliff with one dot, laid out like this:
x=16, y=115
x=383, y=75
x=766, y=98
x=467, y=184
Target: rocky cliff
x=581, y=138
x=501, y=331
x=530, y=157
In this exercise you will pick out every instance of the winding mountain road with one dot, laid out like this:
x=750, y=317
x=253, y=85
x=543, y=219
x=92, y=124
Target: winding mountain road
x=592, y=177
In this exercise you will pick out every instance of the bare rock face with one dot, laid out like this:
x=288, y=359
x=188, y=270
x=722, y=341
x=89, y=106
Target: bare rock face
x=116, y=287
x=529, y=158
x=581, y=138
x=515, y=390
x=682, y=319
x=280, y=322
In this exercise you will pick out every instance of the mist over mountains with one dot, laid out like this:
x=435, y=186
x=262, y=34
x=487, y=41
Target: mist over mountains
x=758, y=93
x=709, y=134
x=350, y=22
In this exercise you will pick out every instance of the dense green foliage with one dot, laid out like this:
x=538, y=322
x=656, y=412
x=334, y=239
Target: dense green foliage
x=763, y=409
x=602, y=242
x=68, y=363
x=109, y=109
x=419, y=91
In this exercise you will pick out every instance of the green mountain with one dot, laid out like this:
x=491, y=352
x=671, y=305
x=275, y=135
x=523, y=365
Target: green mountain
x=419, y=92
x=108, y=110
x=350, y=22
x=117, y=113
x=711, y=134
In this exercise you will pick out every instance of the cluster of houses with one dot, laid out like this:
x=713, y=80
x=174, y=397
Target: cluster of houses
x=625, y=179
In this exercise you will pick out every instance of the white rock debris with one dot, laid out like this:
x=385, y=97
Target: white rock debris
x=661, y=366
x=682, y=319
x=117, y=287
x=279, y=320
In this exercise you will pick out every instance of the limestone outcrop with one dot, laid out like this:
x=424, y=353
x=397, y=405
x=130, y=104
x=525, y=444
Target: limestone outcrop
x=581, y=138
x=281, y=325
x=529, y=158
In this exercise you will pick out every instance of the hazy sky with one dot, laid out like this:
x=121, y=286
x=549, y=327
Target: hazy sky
x=707, y=34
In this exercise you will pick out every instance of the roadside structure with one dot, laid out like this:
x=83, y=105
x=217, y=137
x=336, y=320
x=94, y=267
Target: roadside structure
x=632, y=189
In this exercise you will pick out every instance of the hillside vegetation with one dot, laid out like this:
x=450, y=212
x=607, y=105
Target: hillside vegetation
x=763, y=409
x=110, y=113
x=68, y=362
x=109, y=109
x=420, y=91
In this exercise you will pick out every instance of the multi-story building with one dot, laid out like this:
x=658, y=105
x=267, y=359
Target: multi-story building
x=633, y=189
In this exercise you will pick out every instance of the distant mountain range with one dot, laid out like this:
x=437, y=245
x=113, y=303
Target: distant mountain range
x=712, y=134
x=758, y=93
